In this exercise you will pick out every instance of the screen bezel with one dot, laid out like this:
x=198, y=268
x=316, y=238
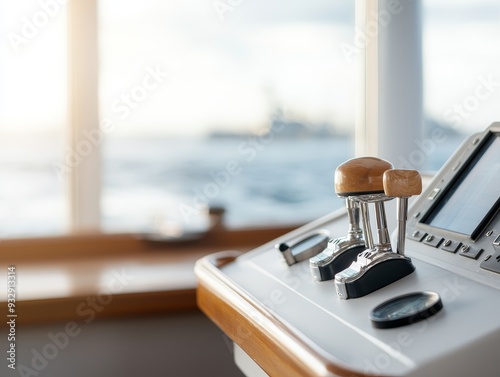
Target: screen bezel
x=473, y=159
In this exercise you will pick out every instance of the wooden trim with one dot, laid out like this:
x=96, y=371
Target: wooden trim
x=84, y=260
x=105, y=245
x=279, y=349
x=260, y=348
x=76, y=308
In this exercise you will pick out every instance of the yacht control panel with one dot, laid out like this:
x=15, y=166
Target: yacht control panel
x=387, y=288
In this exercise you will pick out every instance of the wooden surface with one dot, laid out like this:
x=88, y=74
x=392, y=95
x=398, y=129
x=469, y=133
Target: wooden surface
x=402, y=183
x=277, y=349
x=360, y=176
x=120, y=274
x=99, y=245
x=77, y=308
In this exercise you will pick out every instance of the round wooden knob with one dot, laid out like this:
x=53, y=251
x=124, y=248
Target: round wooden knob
x=402, y=183
x=359, y=176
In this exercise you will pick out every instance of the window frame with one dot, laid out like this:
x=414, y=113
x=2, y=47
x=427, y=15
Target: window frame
x=390, y=94
x=84, y=179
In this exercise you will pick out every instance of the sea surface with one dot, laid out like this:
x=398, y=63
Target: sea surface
x=147, y=182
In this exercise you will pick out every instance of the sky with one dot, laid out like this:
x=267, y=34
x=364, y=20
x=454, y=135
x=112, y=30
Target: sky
x=229, y=70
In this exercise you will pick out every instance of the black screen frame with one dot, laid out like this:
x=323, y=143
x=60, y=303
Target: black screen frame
x=450, y=189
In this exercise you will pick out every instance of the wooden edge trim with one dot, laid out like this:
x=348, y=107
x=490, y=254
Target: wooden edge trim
x=85, y=309
x=278, y=349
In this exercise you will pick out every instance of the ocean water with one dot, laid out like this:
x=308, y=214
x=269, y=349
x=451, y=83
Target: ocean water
x=147, y=182
x=257, y=181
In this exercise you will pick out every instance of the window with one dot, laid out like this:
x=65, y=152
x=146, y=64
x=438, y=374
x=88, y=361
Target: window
x=461, y=71
x=32, y=117
x=249, y=106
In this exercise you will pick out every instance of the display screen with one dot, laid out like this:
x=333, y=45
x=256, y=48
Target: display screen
x=474, y=196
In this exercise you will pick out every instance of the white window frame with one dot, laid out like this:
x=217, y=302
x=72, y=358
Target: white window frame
x=84, y=180
x=389, y=114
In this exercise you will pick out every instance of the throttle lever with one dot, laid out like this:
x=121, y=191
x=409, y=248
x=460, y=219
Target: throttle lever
x=379, y=266
x=402, y=184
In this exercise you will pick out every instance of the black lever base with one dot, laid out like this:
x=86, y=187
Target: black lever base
x=378, y=274
x=328, y=263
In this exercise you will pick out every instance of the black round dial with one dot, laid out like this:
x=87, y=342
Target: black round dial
x=406, y=309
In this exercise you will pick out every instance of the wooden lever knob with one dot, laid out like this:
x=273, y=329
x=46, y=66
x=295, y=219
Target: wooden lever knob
x=402, y=183
x=360, y=176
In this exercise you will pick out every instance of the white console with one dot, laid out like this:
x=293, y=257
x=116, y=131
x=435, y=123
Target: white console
x=292, y=323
